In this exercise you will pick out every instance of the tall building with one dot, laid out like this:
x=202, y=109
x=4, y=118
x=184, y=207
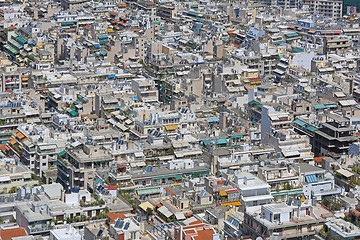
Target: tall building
x=327, y=8
x=334, y=137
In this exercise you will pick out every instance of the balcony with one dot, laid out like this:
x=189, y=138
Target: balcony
x=40, y=229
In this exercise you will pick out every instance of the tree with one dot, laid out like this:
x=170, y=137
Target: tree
x=326, y=202
x=149, y=211
x=329, y=235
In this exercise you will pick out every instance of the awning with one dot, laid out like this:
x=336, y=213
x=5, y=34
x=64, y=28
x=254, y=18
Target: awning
x=61, y=153
x=5, y=179
x=146, y=205
x=20, y=135
x=223, y=193
x=148, y=191
x=171, y=127
x=211, y=120
x=180, y=216
x=139, y=154
x=229, y=204
x=345, y=173
x=164, y=211
x=300, y=122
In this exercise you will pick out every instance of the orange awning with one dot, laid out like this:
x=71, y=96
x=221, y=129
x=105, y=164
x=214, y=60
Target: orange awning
x=228, y=204
x=338, y=32
x=20, y=135
x=223, y=193
x=311, y=31
x=171, y=127
x=12, y=141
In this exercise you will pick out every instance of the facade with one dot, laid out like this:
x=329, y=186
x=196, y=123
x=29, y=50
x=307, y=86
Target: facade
x=334, y=137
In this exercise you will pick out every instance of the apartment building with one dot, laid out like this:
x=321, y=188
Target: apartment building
x=76, y=167
x=316, y=182
x=253, y=191
x=285, y=221
x=37, y=146
x=334, y=137
x=331, y=8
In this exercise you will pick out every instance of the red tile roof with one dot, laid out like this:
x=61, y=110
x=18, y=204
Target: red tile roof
x=7, y=234
x=318, y=159
x=204, y=234
x=11, y=28
x=169, y=191
x=114, y=216
x=111, y=187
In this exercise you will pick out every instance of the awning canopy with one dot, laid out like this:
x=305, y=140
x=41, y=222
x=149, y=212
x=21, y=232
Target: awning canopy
x=345, y=173
x=171, y=127
x=223, y=193
x=164, y=211
x=146, y=205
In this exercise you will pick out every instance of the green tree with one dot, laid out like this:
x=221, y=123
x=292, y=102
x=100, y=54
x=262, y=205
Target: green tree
x=326, y=202
x=149, y=211
x=329, y=235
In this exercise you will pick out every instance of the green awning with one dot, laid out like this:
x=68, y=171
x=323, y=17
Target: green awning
x=300, y=122
x=67, y=23
x=20, y=39
x=161, y=177
x=331, y=105
x=104, y=42
x=278, y=42
x=178, y=177
x=255, y=102
x=103, y=52
x=198, y=20
x=237, y=136
x=148, y=191
x=298, y=50
x=291, y=34
x=98, y=181
x=73, y=113
x=296, y=192
x=311, y=128
x=192, y=13
x=102, y=36
x=217, y=141
x=317, y=107
x=156, y=23
x=221, y=141
x=61, y=153
x=201, y=172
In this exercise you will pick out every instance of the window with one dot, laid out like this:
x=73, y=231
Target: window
x=276, y=217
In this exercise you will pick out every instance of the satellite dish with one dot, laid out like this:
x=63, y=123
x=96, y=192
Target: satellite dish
x=262, y=163
x=259, y=238
x=52, y=224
